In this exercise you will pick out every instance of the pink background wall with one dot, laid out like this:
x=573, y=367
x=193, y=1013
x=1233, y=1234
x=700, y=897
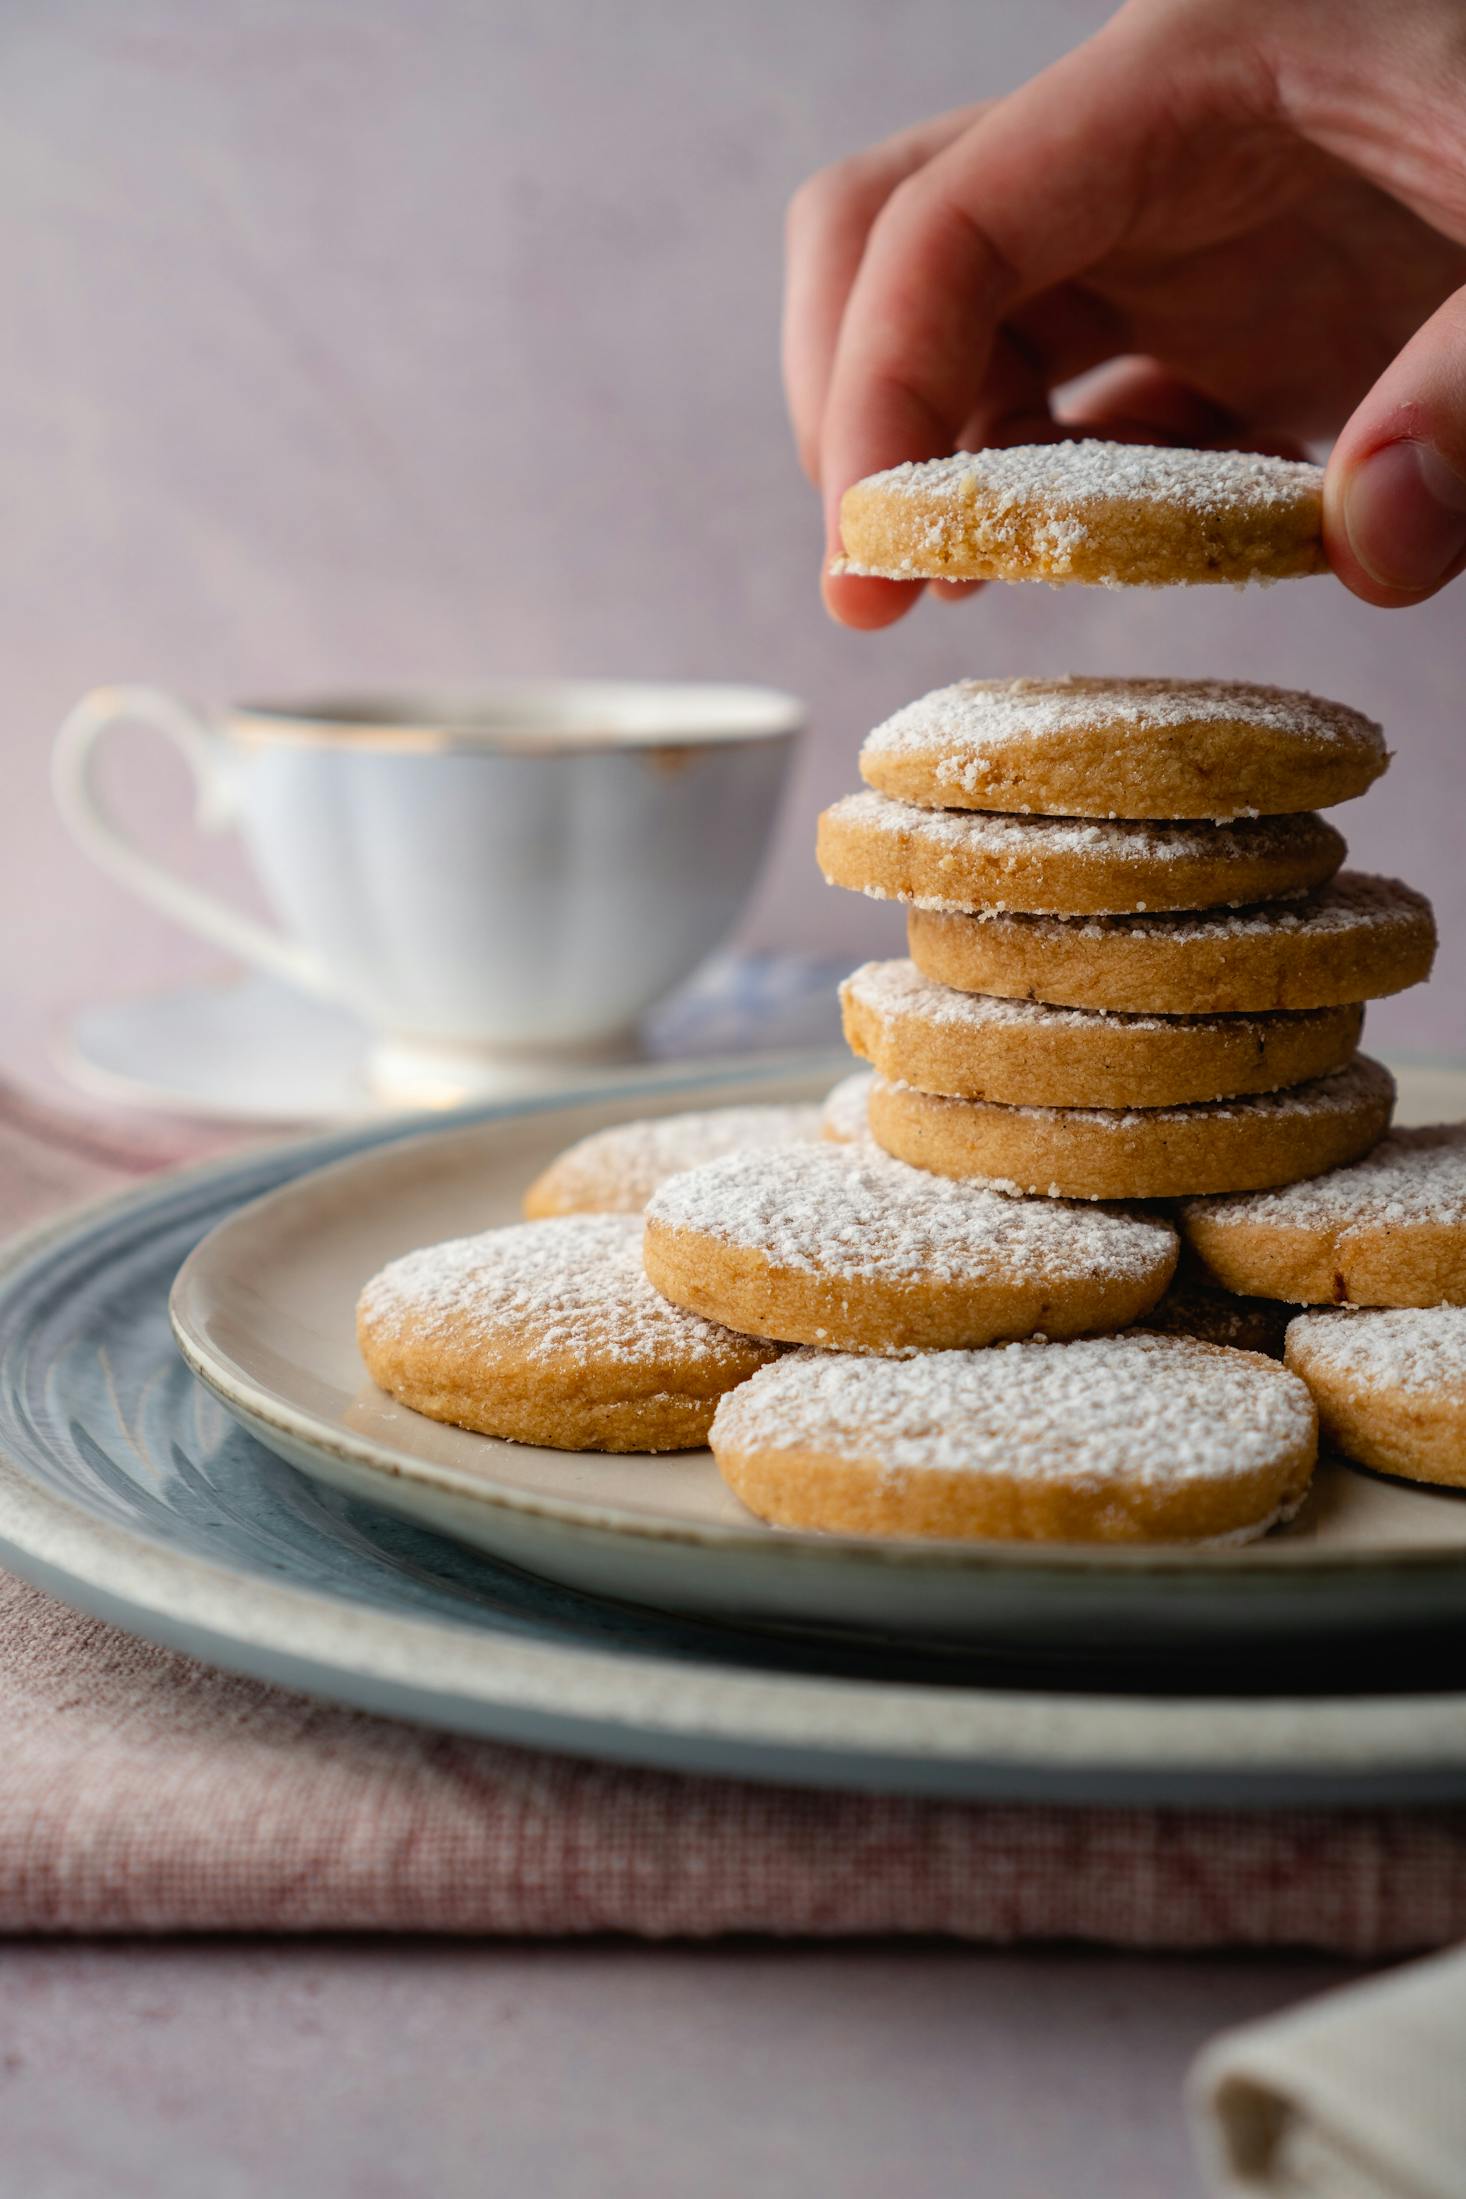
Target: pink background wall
x=424, y=339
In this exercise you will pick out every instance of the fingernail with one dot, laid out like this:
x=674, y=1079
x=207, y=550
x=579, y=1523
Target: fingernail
x=1405, y=516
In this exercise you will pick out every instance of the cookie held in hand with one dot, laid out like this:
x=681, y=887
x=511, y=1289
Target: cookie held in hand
x=1116, y=515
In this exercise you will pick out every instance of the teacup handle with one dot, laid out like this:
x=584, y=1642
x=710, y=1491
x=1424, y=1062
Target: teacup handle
x=93, y=824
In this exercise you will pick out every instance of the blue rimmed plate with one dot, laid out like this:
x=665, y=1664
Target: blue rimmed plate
x=134, y=1491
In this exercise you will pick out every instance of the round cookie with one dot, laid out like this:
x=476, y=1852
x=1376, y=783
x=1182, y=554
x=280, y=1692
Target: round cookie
x=1192, y=1307
x=845, y=1116
x=841, y=1247
x=615, y=1171
x=1388, y=1231
x=1120, y=515
x=1358, y=938
x=1024, y=1053
x=1090, y=747
x=1139, y=1153
x=548, y=1332
x=1134, y=1438
x=967, y=859
x=1390, y=1387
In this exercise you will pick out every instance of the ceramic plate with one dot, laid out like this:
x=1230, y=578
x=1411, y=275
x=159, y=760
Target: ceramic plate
x=126, y=1487
x=264, y=1312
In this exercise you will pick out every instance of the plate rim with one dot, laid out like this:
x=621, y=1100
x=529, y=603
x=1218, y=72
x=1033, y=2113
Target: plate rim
x=174, y=1596
x=800, y=1729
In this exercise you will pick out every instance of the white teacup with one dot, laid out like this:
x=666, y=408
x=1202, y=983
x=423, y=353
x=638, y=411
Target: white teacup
x=525, y=869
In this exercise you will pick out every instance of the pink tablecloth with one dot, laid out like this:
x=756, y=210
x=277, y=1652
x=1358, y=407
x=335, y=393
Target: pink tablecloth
x=142, y=1791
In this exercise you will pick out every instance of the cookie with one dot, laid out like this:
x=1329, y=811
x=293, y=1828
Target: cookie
x=1390, y=1387
x=1120, y=515
x=616, y=1171
x=841, y=1247
x=968, y=859
x=1192, y=1307
x=844, y=1118
x=1133, y=1438
x=1356, y=939
x=1124, y=748
x=1388, y=1231
x=1024, y=1053
x=1140, y=1153
x=548, y=1332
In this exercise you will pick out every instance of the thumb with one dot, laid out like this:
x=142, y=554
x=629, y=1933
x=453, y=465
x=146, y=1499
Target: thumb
x=1395, y=493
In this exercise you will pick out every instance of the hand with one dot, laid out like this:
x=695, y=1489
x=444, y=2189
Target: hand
x=1249, y=215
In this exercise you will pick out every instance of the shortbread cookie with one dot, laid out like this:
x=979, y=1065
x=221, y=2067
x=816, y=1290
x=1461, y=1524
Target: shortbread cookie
x=1390, y=1387
x=616, y=1171
x=1195, y=1308
x=1356, y=939
x=1388, y=1231
x=1140, y=1153
x=1124, y=748
x=845, y=1116
x=549, y=1332
x=1120, y=515
x=1067, y=866
x=841, y=1247
x=1026, y=1054
x=1134, y=1438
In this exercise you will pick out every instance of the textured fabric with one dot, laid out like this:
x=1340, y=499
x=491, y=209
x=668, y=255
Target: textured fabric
x=140, y=1791
x=143, y=1792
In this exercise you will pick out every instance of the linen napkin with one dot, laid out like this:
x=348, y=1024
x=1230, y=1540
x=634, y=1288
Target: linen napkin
x=1359, y=2095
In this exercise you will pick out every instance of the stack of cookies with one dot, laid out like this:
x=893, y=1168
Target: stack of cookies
x=1136, y=968
x=1136, y=974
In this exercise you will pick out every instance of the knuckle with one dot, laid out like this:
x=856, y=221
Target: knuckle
x=923, y=216
x=916, y=209
x=827, y=195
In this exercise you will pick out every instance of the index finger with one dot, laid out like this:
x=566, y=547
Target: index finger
x=1038, y=189
x=829, y=219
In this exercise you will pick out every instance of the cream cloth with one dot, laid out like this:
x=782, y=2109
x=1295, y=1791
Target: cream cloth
x=1359, y=2095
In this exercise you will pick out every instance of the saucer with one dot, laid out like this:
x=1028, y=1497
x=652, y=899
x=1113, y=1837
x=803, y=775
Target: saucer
x=248, y=1049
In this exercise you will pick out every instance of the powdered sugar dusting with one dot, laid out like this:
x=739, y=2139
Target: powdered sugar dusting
x=957, y=728
x=571, y=1285
x=845, y=1117
x=852, y=1211
x=1080, y=478
x=895, y=989
x=619, y=1168
x=1412, y=1176
x=1013, y=838
x=1135, y=1408
x=1353, y=901
x=1360, y=1083
x=1421, y=1349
